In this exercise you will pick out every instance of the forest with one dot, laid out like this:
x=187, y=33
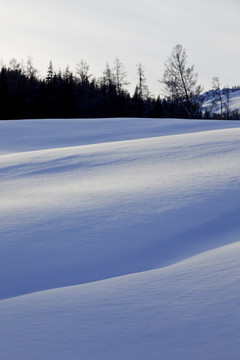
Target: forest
x=62, y=94
x=24, y=94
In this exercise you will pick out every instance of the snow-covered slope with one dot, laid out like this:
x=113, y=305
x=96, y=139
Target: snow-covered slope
x=122, y=238
x=29, y=135
x=230, y=102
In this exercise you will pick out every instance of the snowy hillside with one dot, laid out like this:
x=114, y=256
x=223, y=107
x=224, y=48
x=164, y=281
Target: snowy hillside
x=230, y=99
x=119, y=239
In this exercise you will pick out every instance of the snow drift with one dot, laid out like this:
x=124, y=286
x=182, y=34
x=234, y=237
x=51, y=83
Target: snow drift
x=119, y=239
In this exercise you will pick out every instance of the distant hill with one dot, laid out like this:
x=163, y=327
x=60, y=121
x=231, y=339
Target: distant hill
x=225, y=101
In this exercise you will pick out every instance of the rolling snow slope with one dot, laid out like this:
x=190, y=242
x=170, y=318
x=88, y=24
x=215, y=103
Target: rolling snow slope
x=136, y=222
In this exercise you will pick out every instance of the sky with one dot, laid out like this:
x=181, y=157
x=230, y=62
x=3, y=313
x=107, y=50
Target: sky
x=134, y=31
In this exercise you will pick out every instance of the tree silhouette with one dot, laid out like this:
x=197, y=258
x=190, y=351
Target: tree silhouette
x=180, y=82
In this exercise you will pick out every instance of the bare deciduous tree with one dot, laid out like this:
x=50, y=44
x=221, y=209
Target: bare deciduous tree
x=217, y=99
x=31, y=71
x=82, y=71
x=227, y=103
x=141, y=89
x=119, y=76
x=180, y=81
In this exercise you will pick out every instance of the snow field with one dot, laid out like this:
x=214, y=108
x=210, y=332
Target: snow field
x=123, y=242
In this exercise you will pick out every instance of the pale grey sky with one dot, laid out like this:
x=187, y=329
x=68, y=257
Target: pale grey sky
x=132, y=30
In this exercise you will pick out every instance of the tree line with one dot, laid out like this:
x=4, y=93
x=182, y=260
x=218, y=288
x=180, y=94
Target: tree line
x=64, y=94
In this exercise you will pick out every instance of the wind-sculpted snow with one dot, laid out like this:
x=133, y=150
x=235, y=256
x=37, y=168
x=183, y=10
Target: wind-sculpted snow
x=189, y=310
x=140, y=231
x=27, y=135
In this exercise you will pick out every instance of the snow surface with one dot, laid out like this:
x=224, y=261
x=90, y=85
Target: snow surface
x=119, y=239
